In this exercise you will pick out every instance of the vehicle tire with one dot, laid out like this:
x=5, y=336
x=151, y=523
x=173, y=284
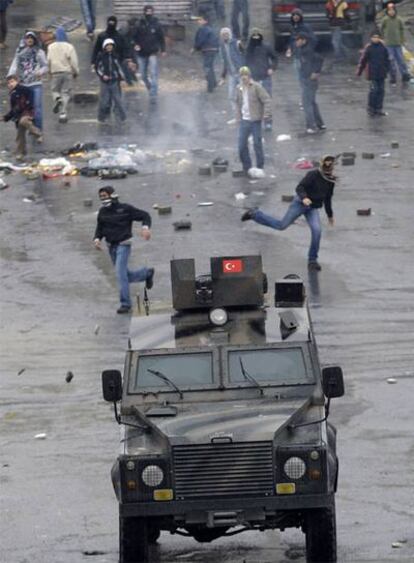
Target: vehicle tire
x=133, y=540
x=320, y=531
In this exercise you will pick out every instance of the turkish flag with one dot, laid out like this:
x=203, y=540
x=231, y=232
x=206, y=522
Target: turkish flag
x=232, y=266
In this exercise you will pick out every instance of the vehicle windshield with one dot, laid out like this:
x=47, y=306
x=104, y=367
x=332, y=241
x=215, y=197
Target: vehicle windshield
x=282, y=366
x=183, y=370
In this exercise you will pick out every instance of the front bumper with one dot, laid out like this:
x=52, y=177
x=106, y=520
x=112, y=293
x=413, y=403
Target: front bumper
x=200, y=511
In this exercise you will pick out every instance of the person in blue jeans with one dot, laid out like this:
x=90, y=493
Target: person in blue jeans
x=313, y=191
x=240, y=7
x=114, y=224
x=149, y=42
x=206, y=41
x=253, y=107
x=376, y=60
x=88, y=8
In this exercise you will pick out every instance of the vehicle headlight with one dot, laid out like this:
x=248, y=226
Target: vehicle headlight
x=294, y=468
x=152, y=475
x=218, y=317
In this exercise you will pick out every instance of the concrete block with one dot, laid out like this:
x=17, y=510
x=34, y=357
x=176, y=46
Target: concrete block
x=348, y=161
x=395, y=144
x=349, y=154
x=218, y=168
x=182, y=225
x=164, y=210
x=204, y=170
x=87, y=202
x=368, y=155
x=238, y=174
x=364, y=212
x=89, y=97
x=287, y=198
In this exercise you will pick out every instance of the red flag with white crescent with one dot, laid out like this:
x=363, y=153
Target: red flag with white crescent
x=232, y=266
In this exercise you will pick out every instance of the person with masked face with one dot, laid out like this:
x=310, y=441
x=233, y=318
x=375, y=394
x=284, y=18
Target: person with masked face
x=313, y=191
x=261, y=59
x=114, y=224
x=121, y=47
x=63, y=67
x=30, y=66
x=109, y=70
x=149, y=40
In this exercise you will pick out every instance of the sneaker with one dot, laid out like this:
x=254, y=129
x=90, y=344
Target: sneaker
x=322, y=127
x=123, y=310
x=149, y=282
x=63, y=118
x=40, y=139
x=393, y=83
x=314, y=266
x=90, y=35
x=382, y=113
x=371, y=112
x=310, y=131
x=58, y=105
x=249, y=214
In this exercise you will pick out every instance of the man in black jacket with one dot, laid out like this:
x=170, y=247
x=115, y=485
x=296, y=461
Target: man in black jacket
x=121, y=47
x=22, y=113
x=313, y=191
x=376, y=58
x=149, y=41
x=114, y=224
x=310, y=66
x=261, y=59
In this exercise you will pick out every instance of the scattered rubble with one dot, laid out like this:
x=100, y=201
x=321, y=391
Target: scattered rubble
x=69, y=377
x=182, y=225
x=364, y=212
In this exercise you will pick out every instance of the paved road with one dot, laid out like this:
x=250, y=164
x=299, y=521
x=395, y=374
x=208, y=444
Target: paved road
x=58, y=302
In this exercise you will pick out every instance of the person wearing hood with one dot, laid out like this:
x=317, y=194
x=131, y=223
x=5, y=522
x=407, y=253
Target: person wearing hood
x=63, y=67
x=21, y=112
x=30, y=65
x=375, y=57
x=298, y=25
x=149, y=41
x=206, y=41
x=313, y=191
x=88, y=8
x=261, y=58
x=392, y=29
x=310, y=66
x=121, y=47
x=4, y=4
x=240, y=8
x=233, y=59
x=109, y=70
x=114, y=224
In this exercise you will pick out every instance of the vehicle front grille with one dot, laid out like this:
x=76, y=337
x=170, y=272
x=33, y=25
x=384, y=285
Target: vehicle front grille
x=223, y=470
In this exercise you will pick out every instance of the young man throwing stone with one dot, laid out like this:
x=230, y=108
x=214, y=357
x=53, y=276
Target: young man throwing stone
x=114, y=224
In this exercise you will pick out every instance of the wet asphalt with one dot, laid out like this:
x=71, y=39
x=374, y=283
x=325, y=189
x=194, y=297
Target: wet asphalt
x=58, y=301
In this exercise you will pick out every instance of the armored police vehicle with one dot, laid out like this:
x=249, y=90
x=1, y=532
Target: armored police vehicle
x=224, y=411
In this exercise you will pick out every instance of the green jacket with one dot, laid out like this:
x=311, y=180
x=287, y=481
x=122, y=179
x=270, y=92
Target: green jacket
x=392, y=29
x=260, y=105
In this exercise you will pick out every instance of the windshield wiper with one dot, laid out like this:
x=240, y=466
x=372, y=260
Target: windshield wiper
x=167, y=380
x=249, y=377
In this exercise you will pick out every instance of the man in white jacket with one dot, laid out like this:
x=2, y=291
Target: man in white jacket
x=63, y=67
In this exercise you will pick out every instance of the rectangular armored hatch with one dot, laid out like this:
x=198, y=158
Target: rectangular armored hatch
x=223, y=470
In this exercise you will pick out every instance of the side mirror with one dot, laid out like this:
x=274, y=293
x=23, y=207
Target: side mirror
x=112, y=385
x=333, y=382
